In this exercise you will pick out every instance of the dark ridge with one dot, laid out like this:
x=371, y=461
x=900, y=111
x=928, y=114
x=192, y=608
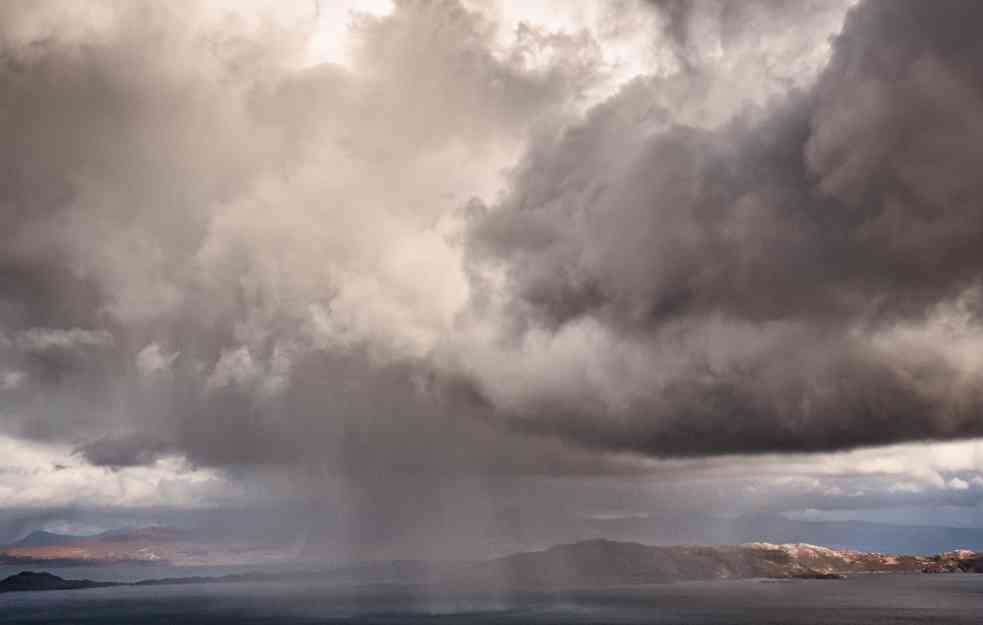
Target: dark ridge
x=28, y=581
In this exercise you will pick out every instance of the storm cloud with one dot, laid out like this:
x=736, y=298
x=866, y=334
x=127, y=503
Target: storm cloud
x=801, y=277
x=459, y=259
x=212, y=251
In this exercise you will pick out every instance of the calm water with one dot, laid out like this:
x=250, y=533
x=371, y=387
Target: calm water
x=136, y=572
x=874, y=599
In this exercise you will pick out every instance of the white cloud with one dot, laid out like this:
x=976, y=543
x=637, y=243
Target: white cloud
x=234, y=367
x=46, y=476
x=152, y=359
x=43, y=339
x=10, y=380
x=957, y=484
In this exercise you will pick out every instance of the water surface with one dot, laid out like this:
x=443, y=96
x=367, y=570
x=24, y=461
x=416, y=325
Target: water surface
x=865, y=599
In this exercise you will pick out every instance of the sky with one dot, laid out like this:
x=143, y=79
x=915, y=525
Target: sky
x=409, y=278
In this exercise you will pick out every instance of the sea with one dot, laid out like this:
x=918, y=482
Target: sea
x=874, y=599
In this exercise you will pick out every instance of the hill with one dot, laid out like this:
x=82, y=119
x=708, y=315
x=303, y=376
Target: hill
x=599, y=563
x=160, y=545
x=29, y=581
x=586, y=565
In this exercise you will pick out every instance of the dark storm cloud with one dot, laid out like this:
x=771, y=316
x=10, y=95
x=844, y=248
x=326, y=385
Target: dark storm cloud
x=118, y=452
x=696, y=32
x=758, y=271
x=209, y=252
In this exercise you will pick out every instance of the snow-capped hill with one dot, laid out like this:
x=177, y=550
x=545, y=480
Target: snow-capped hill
x=797, y=550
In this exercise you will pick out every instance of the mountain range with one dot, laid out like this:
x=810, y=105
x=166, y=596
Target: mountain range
x=181, y=547
x=668, y=529
x=584, y=565
x=148, y=545
x=600, y=563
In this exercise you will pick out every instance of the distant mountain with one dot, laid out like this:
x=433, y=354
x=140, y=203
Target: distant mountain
x=670, y=529
x=600, y=563
x=157, y=534
x=133, y=545
x=41, y=538
x=860, y=535
x=584, y=565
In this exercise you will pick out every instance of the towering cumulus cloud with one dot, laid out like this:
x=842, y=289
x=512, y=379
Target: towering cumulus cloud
x=804, y=276
x=470, y=250
x=211, y=250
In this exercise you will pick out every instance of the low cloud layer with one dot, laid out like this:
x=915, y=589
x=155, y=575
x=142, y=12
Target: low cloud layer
x=473, y=254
